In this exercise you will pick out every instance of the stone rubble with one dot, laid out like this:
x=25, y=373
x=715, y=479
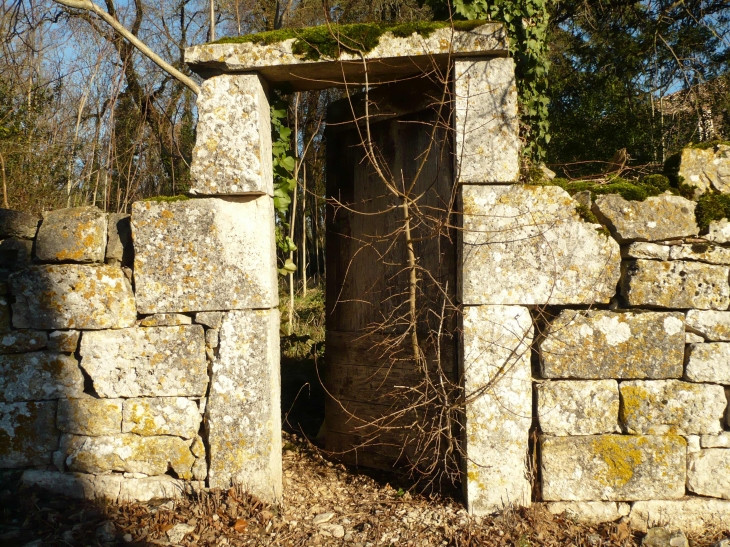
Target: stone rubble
x=578, y=407
x=678, y=285
x=78, y=234
x=657, y=218
x=596, y=344
x=661, y=407
x=707, y=169
x=613, y=467
x=146, y=362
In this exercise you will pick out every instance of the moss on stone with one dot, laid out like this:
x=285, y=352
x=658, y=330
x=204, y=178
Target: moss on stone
x=712, y=206
x=167, y=199
x=313, y=43
x=708, y=144
x=629, y=190
x=586, y=214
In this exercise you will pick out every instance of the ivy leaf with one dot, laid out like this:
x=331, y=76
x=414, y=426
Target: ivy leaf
x=288, y=163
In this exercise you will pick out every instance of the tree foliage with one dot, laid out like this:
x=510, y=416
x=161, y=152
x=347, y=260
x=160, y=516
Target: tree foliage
x=616, y=66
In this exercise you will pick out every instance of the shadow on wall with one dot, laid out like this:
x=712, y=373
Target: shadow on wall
x=95, y=402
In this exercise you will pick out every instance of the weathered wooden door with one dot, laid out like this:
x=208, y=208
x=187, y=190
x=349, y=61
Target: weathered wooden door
x=368, y=269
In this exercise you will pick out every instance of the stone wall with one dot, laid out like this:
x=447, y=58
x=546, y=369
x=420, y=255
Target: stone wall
x=623, y=341
x=139, y=354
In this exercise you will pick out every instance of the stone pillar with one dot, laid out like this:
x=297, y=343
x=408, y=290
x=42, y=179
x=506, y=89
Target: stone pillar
x=232, y=154
x=519, y=246
x=485, y=113
x=498, y=387
x=215, y=256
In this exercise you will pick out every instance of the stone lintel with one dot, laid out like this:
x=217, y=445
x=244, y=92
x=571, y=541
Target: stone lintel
x=393, y=57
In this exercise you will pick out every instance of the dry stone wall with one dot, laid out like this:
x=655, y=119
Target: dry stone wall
x=139, y=355
x=131, y=376
x=628, y=336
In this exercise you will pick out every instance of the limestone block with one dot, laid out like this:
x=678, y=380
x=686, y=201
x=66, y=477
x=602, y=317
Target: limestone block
x=578, y=407
x=77, y=234
x=150, y=488
x=613, y=467
x=710, y=254
x=128, y=453
x=692, y=514
x=486, y=121
x=17, y=224
x=204, y=254
x=655, y=219
x=692, y=338
x=119, y=246
x=527, y=245
x=211, y=319
x=211, y=338
x=716, y=441
x=75, y=485
x=595, y=344
x=663, y=536
x=693, y=443
x=22, y=341
x=712, y=325
x=393, y=56
x=707, y=169
x=660, y=407
x=4, y=314
x=28, y=434
x=65, y=341
x=675, y=284
x=708, y=473
x=200, y=469
x=90, y=416
x=146, y=362
x=232, y=153
x=15, y=254
x=39, y=375
x=114, y=488
x=497, y=382
x=708, y=362
x=176, y=416
x=649, y=251
x=590, y=512
x=719, y=231
x=71, y=296
x=243, y=408
x=198, y=447
x=166, y=320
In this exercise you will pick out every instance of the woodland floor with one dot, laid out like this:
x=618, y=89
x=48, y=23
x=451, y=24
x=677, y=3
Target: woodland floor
x=364, y=510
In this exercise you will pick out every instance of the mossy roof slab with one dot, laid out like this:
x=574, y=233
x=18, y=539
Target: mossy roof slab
x=393, y=57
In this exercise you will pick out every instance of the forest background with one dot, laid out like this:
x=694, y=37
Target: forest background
x=85, y=119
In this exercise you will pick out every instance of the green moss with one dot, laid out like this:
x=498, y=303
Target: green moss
x=712, y=206
x=312, y=43
x=167, y=199
x=629, y=190
x=658, y=182
x=586, y=214
x=708, y=144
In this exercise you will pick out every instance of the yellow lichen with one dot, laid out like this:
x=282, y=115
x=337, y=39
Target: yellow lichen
x=622, y=455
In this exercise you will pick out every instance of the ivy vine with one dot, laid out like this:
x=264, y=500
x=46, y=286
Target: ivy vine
x=526, y=22
x=284, y=182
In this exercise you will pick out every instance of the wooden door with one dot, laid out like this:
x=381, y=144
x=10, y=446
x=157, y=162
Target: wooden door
x=367, y=294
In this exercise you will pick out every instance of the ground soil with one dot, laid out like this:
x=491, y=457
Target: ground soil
x=322, y=500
